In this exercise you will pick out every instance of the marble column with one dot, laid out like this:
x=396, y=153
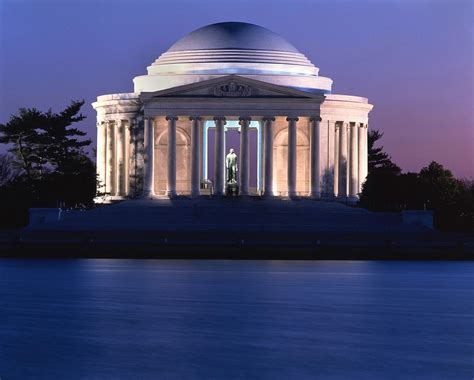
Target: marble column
x=260, y=159
x=149, y=142
x=315, y=164
x=219, y=156
x=337, y=130
x=128, y=131
x=101, y=155
x=354, y=162
x=363, y=155
x=201, y=151
x=120, y=165
x=327, y=167
x=205, y=151
x=244, y=155
x=292, y=122
x=110, y=171
x=171, y=183
x=268, y=155
x=366, y=152
x=342, y=190
x=195, y=150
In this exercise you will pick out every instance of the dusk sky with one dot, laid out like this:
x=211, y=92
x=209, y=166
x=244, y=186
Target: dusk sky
x=412, y=59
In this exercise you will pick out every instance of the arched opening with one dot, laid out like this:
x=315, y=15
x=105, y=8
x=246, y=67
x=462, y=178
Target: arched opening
x=183, y=162
x=280, y=166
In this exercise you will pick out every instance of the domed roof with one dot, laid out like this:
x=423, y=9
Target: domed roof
x=237, y=48
x=233, y=35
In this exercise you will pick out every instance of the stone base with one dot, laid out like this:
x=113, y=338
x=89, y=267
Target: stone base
x=352, y=200
x=232, y=190
x=250, y=214
x=171, y=194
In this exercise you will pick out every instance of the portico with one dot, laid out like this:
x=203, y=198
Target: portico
x=232, y=108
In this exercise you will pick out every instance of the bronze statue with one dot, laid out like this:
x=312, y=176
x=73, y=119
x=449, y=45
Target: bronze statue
x=231, y=166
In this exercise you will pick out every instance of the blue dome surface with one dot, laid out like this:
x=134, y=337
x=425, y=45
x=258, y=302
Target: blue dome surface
x=233, y=35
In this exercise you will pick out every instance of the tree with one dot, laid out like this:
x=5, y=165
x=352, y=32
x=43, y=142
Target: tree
x=465, y=205
x=43, y=141
x=8, y=173
x=379, y=191
x=440, y=186
x=446, y=196
x=75, y=187
x=433, y=188
x=378, y=159
x=50, y=155
x=60, y=144
x=22, y=134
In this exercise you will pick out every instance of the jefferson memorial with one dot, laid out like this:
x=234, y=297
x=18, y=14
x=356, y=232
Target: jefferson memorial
x=169, y=136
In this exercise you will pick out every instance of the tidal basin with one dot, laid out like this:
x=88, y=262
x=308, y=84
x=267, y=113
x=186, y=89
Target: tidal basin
x=148, y=319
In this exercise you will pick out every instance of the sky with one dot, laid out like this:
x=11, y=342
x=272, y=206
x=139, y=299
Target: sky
x=413, y=59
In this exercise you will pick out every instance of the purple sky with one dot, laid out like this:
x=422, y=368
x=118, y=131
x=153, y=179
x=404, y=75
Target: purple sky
x=412, y=59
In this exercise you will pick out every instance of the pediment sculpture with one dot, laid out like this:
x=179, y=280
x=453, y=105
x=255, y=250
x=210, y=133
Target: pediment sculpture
x=233, y=89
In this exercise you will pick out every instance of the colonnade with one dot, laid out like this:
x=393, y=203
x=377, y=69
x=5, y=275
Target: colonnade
x=113, y=137
x=350, y=159
x=220, y=153
x=349, y=168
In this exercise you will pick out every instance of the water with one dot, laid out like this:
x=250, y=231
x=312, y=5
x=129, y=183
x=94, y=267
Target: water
x=146, y=319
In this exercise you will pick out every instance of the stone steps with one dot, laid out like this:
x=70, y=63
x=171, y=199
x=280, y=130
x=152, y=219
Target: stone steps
x=234, y=214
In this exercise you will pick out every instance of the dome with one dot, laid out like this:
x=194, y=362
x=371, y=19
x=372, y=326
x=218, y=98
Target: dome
x=233, y=35
x=236, y=48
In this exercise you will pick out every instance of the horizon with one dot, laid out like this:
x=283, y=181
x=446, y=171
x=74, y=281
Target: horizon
x=372, y=57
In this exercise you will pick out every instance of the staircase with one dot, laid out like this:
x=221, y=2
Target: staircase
x=238, y=214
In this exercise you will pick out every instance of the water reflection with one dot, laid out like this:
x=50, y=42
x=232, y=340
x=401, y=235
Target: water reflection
x=235, y=319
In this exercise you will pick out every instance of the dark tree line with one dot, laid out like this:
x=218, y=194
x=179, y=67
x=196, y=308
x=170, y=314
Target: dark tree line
x=433, y=188
x=46, y=164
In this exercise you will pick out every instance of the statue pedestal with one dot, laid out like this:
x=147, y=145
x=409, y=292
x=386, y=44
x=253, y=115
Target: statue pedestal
x=232, y=189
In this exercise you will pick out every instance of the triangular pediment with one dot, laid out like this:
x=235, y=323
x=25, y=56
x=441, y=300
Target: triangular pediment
x=231, y=86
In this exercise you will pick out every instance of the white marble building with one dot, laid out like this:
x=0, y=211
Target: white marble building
x=154, y=141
